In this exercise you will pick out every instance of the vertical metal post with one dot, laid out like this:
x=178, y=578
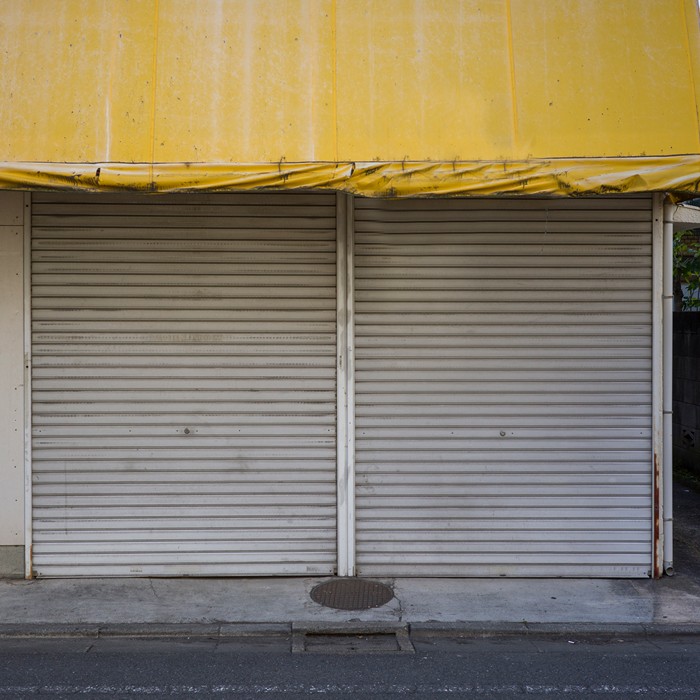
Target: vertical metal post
x=668, y=389
x=657, y=386
x=27, y=262
x=345, y=367
x=350, y=379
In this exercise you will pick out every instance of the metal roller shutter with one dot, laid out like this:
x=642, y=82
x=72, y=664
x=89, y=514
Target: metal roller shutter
x=184, y=384
x=503, y=387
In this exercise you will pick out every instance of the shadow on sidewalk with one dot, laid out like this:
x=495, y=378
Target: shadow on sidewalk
x=686, y=514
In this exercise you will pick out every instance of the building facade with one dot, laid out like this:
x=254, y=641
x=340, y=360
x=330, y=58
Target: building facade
x=340, y=287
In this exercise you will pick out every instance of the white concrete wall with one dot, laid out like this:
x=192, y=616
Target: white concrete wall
x=11, y=375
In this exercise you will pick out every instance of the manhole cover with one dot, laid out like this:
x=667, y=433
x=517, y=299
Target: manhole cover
x=351, y=594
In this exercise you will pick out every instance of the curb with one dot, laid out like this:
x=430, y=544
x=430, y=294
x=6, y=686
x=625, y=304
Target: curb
x=476, y=630
x=553, y=629
x=155, y=630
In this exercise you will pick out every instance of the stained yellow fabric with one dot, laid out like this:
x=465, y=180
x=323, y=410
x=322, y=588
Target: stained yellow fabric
x=378, y=97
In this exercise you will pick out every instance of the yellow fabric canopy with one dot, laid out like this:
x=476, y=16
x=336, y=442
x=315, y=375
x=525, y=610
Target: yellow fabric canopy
x=377, y=97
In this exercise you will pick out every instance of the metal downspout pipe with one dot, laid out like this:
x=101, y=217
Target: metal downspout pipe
x=667, y=350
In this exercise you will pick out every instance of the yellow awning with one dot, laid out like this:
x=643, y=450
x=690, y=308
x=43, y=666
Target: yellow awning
x=377, y=97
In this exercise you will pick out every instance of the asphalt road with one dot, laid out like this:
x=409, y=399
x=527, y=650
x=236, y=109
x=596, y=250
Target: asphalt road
x=440, y=667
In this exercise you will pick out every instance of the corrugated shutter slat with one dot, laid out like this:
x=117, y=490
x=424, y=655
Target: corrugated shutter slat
x=184, y=384
x=503, y=395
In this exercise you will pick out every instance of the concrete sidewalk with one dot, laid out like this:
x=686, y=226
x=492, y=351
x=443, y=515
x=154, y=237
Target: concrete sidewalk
x=156, y=607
